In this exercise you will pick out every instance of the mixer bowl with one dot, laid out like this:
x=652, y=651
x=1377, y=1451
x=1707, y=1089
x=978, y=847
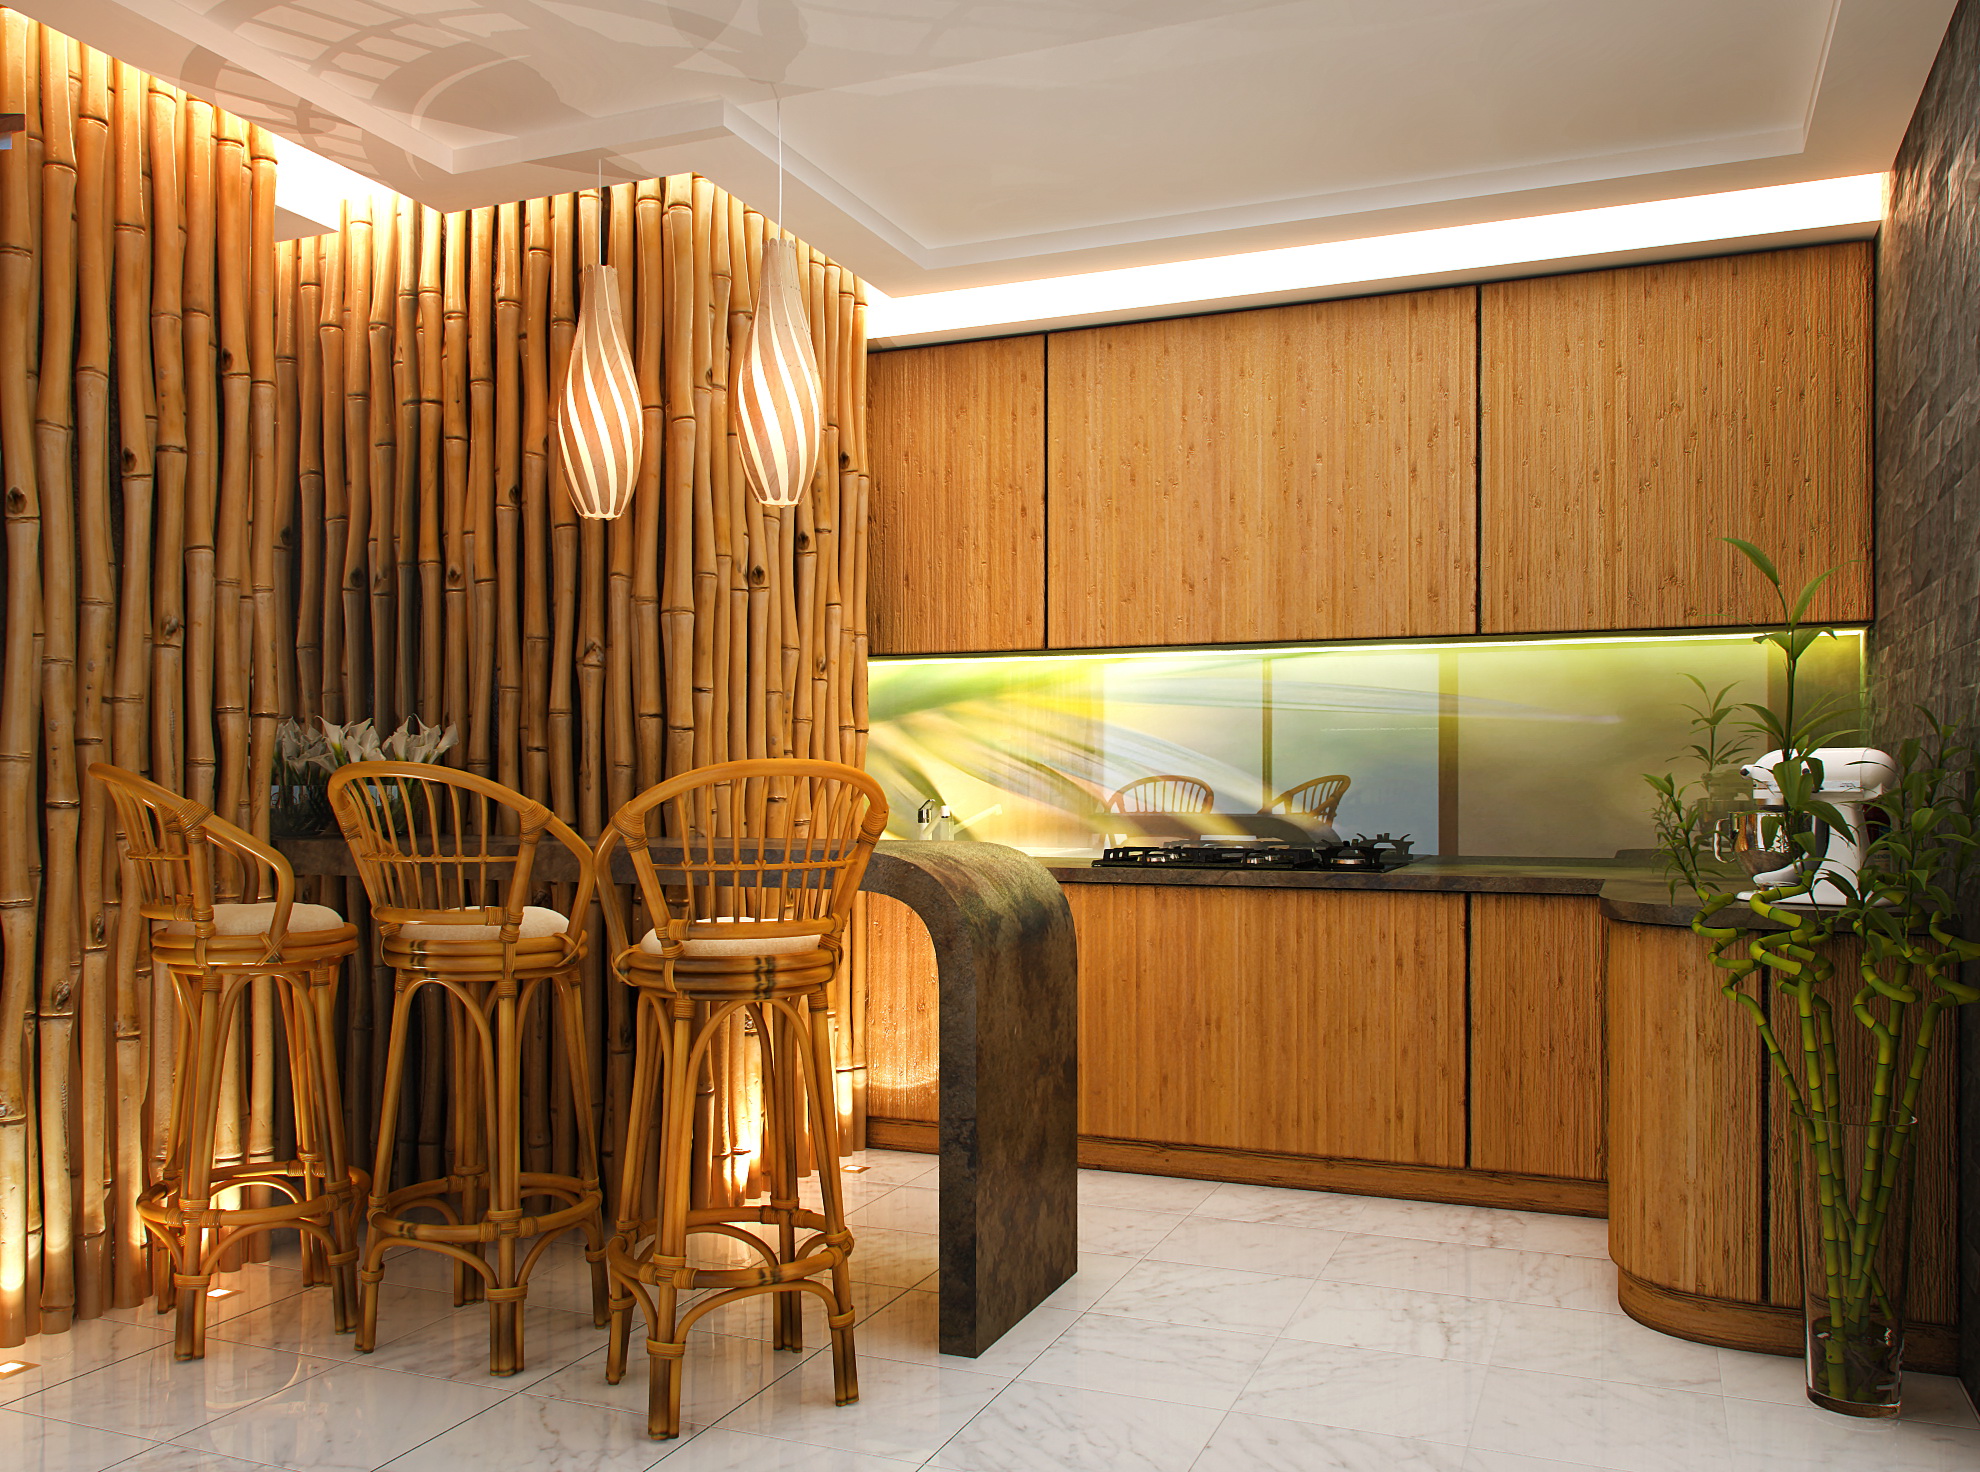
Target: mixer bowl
x=1762, y=839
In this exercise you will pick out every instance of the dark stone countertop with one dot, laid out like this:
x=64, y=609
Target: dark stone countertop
x=1631, y=886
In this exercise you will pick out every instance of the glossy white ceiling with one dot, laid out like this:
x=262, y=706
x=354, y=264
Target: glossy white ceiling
x=934, y=144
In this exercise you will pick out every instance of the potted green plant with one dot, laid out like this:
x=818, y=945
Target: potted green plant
x=1847, y=976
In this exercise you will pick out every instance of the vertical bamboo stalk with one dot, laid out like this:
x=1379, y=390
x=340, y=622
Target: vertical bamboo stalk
x=201, y=480
x=288, y=472
x=273, y=638
x=336, y=489
x=508, y=492
x=481, y=489
x=710, y=514
x=454, y=463
x=534, y=504
x=429, y=491
x=170, y=459
x=355, y=579
x=230, y=580
x=571, y=595
x=675, y=701
x=137, y=422
x=61, y=949
x=381, y=556
x=310, y=553
x=407, y=464
x=20, y=681
x=172, y=472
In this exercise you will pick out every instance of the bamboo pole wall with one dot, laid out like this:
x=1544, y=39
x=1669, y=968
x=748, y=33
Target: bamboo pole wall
x=245, y=481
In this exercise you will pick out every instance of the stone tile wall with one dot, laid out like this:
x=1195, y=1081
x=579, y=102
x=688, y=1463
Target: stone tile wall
x=1926, y=644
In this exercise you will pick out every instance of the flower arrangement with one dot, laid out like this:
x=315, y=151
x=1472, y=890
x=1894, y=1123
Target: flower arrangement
x=1847, y=1029
x=305, y=756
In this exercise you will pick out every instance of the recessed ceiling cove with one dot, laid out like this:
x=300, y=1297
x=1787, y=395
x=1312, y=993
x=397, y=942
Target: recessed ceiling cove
x=941, y=143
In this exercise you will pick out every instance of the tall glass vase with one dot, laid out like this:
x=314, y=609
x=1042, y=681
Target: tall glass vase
x=1855, y=1262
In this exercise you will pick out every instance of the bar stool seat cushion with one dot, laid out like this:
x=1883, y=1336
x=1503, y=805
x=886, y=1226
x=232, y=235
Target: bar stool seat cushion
x=741, y=944
x=255, y=919
x=537, y=923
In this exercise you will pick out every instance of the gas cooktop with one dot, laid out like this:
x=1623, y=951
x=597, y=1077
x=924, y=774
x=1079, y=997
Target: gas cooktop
x=1363, y=855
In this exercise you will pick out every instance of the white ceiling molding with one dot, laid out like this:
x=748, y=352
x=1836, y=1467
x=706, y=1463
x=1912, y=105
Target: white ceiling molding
x=935, y=145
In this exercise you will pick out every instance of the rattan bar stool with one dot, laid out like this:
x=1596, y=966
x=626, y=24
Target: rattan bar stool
x=747, y=871
x=178, y=858
x=446, y=858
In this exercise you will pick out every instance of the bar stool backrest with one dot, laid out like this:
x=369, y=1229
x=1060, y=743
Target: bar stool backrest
x=185, y=859
x=782, y=843
x=433, y=844
x=1162, y=794
x=1319, y=798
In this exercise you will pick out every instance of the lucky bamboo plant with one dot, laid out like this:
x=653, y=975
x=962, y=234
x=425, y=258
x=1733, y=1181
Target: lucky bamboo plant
x=1854, y=1099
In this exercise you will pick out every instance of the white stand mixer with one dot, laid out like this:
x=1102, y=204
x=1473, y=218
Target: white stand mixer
x=1852, y=776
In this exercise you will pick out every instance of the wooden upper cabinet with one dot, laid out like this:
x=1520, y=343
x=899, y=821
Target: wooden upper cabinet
x=1632, y=418
x=957, y=559
x=1298, y=472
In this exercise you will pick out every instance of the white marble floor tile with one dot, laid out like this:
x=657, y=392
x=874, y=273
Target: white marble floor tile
x=90, y=1345
x=1213, y=1298
x=904, y=1209
x=855, y=1190
x=1429, y=1267
x=1096, y=1275
x=1267, y=1444
x=716, y=1450
x=307, y=1324
x=1570, y=1236
x=1167, y=1362
x=1436, y=1221
x=1567, y=1282
x=154, y=1396
x=560, y=1280
x=350, y=1418
x=904, y=1411
x=899, y=1259
x=1598, y=1346
x=1939, y=1399
x=1632, y=1428
x=909, y=1329
x=186, y=1459
x=894, y=1167
x=1397, y=1321
x=1117, y=1232
x=1057, y=1428
x=1259, y=1247
x=1132, y=1192
x=1284, y=1206
x=528, y=1433
x=721, y=1372
x=1766, y=1437
x=456, y=1347
x=1477, y=1461
x=1407, y=1396
x=33, y=1444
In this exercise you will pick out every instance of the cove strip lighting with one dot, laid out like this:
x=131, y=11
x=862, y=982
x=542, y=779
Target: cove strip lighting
x=1778, y=209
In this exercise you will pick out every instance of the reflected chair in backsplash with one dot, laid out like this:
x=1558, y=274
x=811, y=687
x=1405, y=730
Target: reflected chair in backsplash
x=1318, y=798
x=1168, y=794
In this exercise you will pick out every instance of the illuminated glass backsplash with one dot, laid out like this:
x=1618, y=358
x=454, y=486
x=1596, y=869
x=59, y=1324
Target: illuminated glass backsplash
x=1512, y=747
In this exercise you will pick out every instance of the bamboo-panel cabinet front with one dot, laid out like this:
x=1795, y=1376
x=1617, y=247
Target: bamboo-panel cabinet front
x=958, y=435
x=1295, y=473
x=1632, y=419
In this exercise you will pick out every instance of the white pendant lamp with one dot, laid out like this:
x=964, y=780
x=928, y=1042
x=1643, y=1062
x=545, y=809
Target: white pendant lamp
x=780, y=405
x=598, y=424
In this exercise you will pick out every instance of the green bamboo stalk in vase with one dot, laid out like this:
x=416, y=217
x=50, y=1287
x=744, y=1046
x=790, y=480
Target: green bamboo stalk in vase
x=1900, y=906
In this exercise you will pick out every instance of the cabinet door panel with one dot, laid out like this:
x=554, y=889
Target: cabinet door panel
x=1294, y=1021
x=1631, y=419
x=1298, y=472
x=958, y=517
x=1537, y=1084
